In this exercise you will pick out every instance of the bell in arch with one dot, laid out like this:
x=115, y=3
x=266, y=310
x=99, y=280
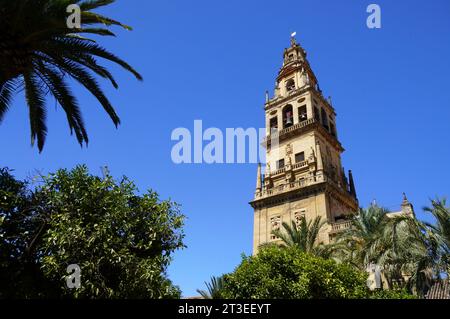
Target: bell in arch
x=289, y=118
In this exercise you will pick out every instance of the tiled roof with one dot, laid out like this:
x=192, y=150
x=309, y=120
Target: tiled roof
x=440, y=290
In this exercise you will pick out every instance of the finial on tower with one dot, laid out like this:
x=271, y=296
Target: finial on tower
x=319, y=157
x=258, y=179
x=405, y=199
x=293, y=41
x=351, y=184
x=407, y=207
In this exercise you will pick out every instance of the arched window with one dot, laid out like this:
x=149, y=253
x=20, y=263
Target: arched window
x=332, y=129
x=316, y=114
x=302, y=113
x=290, y=85
x=325, y=119
x=274, y=123
x=288, y=116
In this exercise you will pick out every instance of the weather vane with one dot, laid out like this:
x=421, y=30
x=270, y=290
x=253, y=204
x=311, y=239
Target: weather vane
x=293, y=34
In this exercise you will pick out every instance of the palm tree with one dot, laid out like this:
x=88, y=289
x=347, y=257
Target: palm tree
x=39, y=52
x=360, y=243
x=408, y=254
x=215, y=288
x=441, y=231
x=402, y=246
x=304, y=236
x=418, y=249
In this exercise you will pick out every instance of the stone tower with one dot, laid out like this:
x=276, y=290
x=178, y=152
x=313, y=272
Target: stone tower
x=304, y=174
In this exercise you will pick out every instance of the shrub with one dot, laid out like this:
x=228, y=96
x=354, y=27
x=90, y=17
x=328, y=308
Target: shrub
x=287, y=273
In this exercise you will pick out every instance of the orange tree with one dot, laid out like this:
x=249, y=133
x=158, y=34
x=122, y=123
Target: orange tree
x=122, y=241
x=289, y=273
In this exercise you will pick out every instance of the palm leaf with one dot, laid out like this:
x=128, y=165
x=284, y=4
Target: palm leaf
x=6, y=92
x=37, y=52
x=36, y=105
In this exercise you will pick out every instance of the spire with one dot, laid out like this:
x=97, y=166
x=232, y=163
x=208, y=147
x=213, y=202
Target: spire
x=407, y=207
x=258, y=179
x=352, y=184
x=319, y=157
x=405, y=200
x=330, y=100
x=296, y=45
x=268, y=169
x=344, y=178
x=295, y=53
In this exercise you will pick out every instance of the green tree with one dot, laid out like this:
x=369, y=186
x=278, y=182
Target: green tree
x=288, y=273
x=391, y=294
x=122, y=241
x=407, y=255
x=405, y=248
x=214, y=289
x=304, y=236
x=38, y=52
x=360, y=242
x=20, y=231
x=441, y=231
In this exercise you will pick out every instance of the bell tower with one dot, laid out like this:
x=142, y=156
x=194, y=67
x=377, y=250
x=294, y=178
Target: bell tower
x=303, y=174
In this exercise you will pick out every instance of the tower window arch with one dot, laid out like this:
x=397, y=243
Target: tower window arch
x=316, y=114
x=290, y=85
x=332, y=129
x=288, y=116
x=325, y=119
x=274, y=123
x=302, y=113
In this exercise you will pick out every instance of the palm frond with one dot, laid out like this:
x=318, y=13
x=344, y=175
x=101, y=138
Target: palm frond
x=36, y=105
x=37, y=44
x=68, y=102
x=214, y=288
x=6, y=93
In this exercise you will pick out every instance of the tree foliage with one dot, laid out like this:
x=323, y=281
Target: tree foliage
x=363, y=237
x=214, y=288
x=412, y=254
x=304, y=236
x=288, y=273
x=391, y=294
x=440, y=231
x=122, y=241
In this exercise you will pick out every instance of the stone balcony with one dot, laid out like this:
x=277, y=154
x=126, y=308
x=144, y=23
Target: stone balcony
x=340, y=226
x=288, y=187
x=301, y=128
x=295, y=167
x=283, y=99
x=282, y=133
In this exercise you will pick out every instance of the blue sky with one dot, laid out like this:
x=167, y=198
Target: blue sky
x=213, y=60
